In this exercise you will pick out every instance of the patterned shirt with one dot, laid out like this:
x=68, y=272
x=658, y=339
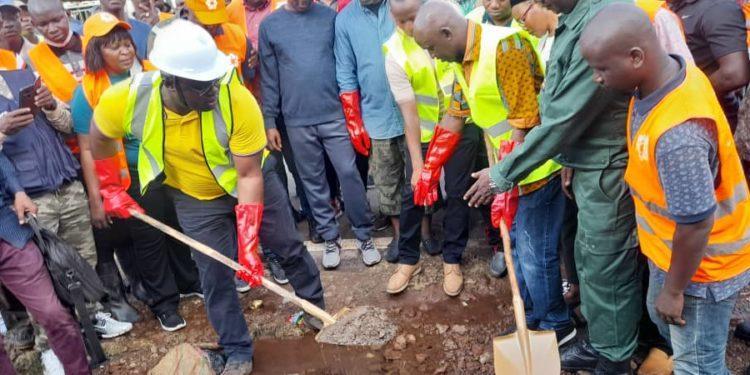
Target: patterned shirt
x=519, y=78
x=688, y=164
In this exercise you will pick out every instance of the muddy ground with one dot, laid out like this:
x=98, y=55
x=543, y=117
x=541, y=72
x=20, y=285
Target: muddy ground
x=437, y=334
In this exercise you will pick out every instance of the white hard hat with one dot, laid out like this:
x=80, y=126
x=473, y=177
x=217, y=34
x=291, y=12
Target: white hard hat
x=184, y=49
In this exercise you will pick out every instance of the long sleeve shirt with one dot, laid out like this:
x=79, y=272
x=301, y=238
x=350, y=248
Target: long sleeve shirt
x=297, y=67
x=10, y=230
x=583, y=124
x=360, y=65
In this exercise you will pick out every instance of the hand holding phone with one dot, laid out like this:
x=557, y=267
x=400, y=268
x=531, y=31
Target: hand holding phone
x=27, y=98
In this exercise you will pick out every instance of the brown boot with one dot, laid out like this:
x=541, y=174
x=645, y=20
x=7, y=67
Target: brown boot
x=400, y=280
x=453, y=279
x=656, y=363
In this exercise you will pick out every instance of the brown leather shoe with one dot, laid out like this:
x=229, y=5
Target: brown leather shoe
x=453, y=279
x=656, y=363
x=400, y=280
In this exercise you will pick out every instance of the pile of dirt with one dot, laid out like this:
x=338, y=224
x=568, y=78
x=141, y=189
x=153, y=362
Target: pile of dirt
x=362, y=326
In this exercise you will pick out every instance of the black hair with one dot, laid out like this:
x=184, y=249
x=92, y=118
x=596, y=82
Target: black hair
x=93, y=58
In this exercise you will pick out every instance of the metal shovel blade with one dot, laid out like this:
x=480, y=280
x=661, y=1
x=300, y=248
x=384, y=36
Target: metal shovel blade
x=509, y=354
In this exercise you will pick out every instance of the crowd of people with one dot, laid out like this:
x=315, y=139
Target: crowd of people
x=601, y=132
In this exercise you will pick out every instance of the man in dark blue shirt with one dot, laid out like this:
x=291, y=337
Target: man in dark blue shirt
x=296, y=45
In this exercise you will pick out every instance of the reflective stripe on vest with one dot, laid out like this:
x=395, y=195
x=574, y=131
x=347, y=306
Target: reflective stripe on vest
x=477, y=16
x=429, y=79
x=145, y=114
x=728, y=250
x=489, y=108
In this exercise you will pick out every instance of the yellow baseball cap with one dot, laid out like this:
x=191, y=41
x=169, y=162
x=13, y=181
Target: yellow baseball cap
x=209, y=12
x=100, y=24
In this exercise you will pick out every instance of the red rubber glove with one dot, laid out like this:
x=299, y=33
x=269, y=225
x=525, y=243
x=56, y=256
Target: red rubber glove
x=505, y=205
x=249, y=217
x=441, y=148
x=117, y=202
x=354, y=125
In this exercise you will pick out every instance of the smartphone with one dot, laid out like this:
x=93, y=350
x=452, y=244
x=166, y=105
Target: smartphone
x=27, y=95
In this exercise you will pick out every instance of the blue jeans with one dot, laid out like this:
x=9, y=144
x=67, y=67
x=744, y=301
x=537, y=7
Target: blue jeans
x=700, y=346
x=536, y=235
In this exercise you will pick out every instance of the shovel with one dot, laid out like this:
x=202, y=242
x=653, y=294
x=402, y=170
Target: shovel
x=522, y=352
x=276, y=289
x=341, y=322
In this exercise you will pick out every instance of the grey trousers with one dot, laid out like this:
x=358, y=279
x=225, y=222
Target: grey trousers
x=310, y=144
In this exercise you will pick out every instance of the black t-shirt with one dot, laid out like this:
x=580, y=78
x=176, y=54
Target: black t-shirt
x=714, y=29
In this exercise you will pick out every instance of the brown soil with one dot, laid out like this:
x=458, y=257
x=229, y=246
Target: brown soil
x=436, y=334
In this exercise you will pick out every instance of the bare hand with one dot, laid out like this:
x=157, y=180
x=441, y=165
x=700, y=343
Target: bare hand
x=416, y=172
x=148, y=13
x=23, y=205
x=44, y=99
x=14, y=121
x=99, y=218
x=566, y=177
x=274, y=139
x=669, y=307
x=480, y=193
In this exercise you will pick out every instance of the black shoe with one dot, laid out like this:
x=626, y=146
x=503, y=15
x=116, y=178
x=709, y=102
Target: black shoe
x=278, y=274
x=565, y=335
x=431, y=246
x=312, y=322
x=743, y=331
x=391, y=255
x=579, y=357
x=116, y=301
x=312, y=233
x=171, y=321
x=381, y=222
x=607, y=367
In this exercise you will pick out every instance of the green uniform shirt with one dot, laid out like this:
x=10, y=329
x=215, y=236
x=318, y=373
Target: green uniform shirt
x=583, y=124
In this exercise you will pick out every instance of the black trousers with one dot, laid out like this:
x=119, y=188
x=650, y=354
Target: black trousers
x=142, y=250
x=458, y=171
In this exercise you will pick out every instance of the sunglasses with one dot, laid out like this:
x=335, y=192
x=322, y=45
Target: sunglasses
x=201, y=88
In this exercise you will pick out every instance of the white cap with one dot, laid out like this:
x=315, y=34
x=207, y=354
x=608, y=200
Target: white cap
x=184, y=49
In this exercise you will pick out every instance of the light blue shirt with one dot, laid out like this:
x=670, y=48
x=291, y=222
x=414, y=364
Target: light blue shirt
x=360, y=65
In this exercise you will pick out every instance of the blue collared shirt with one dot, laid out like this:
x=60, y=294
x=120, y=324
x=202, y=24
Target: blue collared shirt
x=10, y=230
x=360, y=65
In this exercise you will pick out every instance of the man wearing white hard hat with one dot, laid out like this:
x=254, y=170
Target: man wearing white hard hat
x=202, y=135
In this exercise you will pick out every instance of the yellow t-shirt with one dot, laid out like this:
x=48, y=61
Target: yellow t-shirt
x=184, y=163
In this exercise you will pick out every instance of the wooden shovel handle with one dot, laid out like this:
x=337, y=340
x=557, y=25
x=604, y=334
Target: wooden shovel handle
x=305, y=305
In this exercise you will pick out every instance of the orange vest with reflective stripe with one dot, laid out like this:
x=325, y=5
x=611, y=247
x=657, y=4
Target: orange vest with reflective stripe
x=233, y=42
x=728, y=251
x=59, y=81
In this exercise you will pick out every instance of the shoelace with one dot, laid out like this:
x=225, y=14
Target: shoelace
x=367, y=246
x=331, y=247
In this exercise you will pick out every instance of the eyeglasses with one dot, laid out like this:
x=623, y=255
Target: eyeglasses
x=201, y=88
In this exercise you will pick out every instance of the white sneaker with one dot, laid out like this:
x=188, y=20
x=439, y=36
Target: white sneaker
x=51, y=363
x=108, y=327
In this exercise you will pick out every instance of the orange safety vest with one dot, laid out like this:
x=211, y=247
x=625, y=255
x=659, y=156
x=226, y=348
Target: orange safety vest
x=652, y=7
x=93, y=86
x=728, y=251
x=9, y=60
x=233, y=42
x=59, y=81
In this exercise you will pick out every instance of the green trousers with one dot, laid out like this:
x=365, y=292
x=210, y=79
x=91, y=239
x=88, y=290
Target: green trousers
x=606, y=254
